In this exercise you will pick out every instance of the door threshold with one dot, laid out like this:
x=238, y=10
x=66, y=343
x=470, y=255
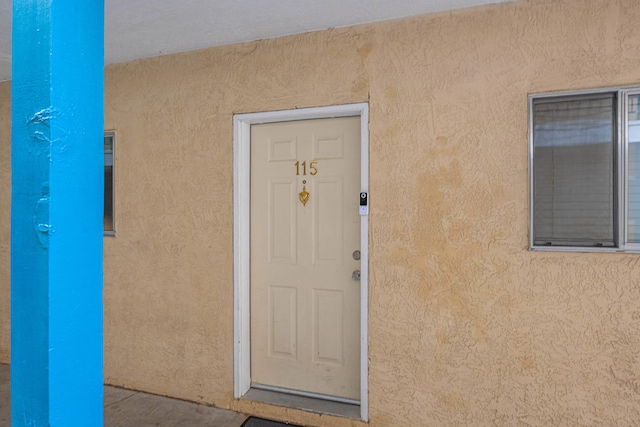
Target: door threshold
x=310, y=404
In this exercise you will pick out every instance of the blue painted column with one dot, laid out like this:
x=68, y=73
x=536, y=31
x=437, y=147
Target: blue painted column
x=56, y=213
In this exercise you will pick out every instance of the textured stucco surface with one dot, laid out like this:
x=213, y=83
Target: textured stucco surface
x=467, y=327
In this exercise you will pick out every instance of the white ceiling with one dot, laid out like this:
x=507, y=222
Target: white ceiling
x=137, y=29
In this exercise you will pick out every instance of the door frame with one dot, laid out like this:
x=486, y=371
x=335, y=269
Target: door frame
x=241, y=236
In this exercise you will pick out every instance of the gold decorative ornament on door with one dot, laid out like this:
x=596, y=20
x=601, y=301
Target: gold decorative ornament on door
x=304, y=195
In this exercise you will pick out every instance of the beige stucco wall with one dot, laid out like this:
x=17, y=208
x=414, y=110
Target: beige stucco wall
x=467, y=326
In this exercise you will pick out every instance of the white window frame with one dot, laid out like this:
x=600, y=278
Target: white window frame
x=621, y=165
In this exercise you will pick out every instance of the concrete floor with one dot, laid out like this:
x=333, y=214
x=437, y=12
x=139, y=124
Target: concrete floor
x=125, y=408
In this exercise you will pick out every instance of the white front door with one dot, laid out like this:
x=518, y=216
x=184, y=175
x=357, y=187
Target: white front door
x=305, y=243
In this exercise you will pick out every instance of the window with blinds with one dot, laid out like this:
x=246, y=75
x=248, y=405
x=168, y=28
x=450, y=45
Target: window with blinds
x=574, y=170
x=585, y=170
x=108, y=218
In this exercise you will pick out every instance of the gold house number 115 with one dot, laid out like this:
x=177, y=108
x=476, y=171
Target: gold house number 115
x=313, y=169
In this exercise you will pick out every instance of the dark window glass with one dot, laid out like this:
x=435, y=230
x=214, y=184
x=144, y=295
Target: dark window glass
x=574, y=172
x=109, y=140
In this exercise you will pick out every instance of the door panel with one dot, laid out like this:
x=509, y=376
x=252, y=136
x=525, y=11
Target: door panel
x=282, y=221
x=328, y=327
x=327, y=230
x=282, y=318
x=305, y=307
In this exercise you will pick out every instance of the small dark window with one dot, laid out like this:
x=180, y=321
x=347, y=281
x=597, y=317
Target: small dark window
x=109, y=214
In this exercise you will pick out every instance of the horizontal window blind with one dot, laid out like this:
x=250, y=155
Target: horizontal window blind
x=574, y=188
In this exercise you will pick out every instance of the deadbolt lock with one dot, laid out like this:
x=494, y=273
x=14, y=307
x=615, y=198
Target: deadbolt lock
x=356, y=255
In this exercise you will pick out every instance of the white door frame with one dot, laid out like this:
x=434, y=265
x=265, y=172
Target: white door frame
x=241, y=245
